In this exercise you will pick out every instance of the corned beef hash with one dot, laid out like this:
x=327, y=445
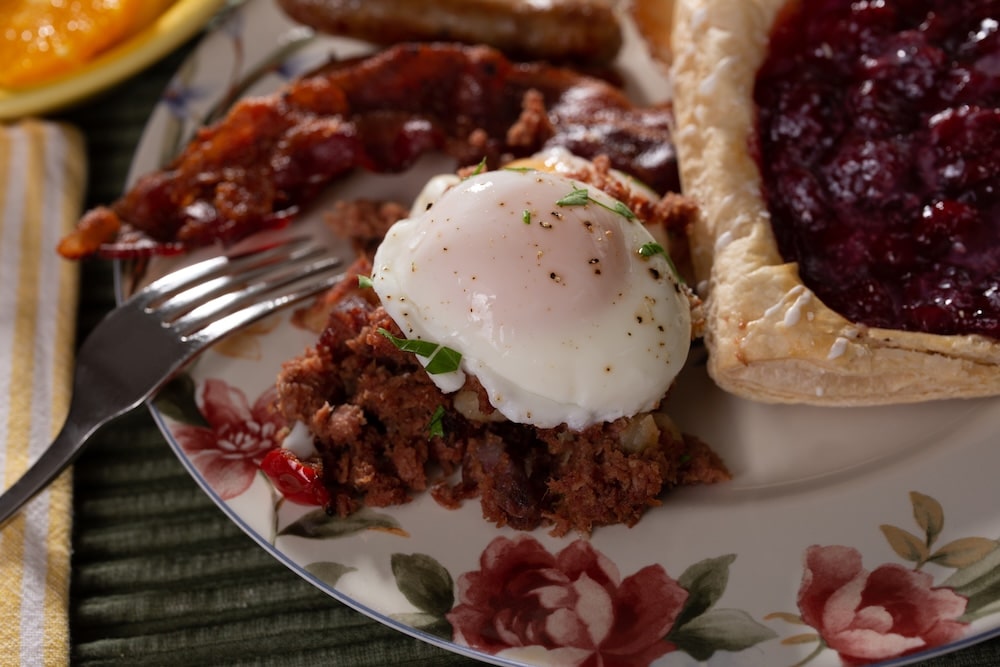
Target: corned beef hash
x=521, y=326
x=514, y=337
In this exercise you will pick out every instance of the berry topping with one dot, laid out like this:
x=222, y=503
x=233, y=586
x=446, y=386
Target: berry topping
x=879, y=145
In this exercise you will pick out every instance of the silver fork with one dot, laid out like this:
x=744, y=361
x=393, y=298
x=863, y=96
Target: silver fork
x=141, y=344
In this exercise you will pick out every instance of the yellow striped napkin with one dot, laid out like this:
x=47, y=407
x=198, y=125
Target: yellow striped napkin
x=42, y=174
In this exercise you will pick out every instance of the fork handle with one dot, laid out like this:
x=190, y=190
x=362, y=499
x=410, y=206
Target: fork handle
x=108, y=382
x=86, y=415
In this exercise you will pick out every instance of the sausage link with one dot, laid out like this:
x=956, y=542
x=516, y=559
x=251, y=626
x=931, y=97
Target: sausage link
x=584, y=31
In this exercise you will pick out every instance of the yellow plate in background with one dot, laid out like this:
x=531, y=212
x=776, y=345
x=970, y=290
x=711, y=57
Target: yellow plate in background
x=180, y=21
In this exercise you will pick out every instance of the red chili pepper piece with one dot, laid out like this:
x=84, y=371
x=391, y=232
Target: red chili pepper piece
x=297, y=481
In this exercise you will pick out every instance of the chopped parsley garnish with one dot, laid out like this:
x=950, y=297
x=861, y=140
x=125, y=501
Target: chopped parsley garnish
x=435, y=427
x=526, y=216
x=480, y=168
x=577, y=197
x=364, y=282
x=445, y=360
x=441, y=359
x=581, y=197
x=650, y=249
x=622, y=210
x=522, y=170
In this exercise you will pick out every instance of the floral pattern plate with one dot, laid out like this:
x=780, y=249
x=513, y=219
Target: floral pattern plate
x=828, y=547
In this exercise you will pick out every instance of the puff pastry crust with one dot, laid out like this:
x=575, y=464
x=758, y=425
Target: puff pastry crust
x=769, y=337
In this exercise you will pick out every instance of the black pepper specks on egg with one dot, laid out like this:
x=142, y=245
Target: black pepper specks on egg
x=495, y=267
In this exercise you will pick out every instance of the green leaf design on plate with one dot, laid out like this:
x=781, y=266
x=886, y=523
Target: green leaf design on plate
x=318, y=525
x=980, y=583
x=985, y=606
x=719, y=630
x=177, y=401
x=929, y=515
x=963, y=552
x=328, y=572
x=705, y=582
x=906, y=545
x=424, y=582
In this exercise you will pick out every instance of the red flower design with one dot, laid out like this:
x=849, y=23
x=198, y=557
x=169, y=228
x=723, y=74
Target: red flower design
x=228, y=452
x=871, y=616
x=573, y=603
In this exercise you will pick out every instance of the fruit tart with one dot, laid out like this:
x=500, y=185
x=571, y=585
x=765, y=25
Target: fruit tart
x=845, y=158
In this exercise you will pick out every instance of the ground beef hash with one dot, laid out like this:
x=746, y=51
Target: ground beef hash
x=370, y=406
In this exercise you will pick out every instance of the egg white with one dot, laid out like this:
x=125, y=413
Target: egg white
x=552, y=307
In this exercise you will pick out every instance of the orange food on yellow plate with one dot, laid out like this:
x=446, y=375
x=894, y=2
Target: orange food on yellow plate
x=41, y=40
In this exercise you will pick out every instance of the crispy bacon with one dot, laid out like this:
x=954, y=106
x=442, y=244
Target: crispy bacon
x=271, y=156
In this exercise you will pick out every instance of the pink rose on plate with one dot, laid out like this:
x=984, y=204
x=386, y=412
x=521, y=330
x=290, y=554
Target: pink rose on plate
x=228, y=452
x=871, y=616
x=573, y=604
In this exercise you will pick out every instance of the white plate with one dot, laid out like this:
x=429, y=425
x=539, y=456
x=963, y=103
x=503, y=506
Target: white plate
x=830, y=539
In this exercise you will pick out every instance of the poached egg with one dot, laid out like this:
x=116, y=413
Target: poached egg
x=559, y=300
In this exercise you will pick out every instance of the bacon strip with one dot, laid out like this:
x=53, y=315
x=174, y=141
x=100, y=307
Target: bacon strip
x=271, y=156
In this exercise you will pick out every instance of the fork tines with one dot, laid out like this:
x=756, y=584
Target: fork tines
x=138, y=346
x=219, y=294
